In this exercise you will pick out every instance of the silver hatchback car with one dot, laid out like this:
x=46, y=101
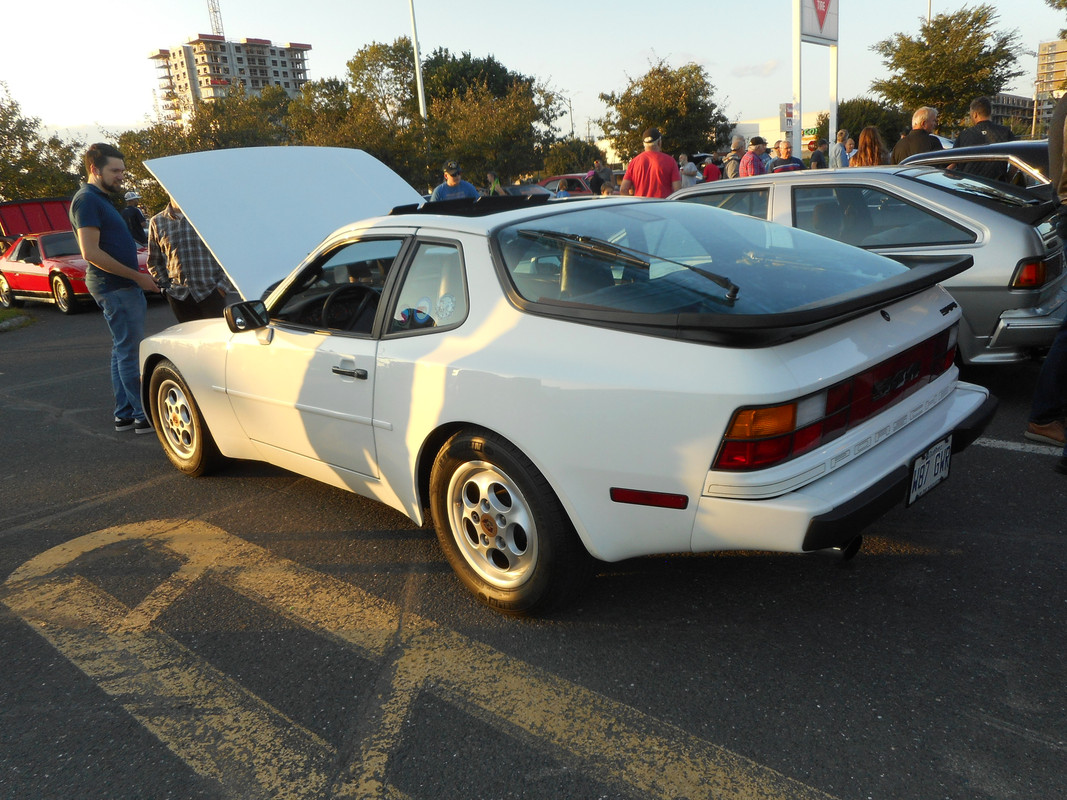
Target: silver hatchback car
x=1013, y=299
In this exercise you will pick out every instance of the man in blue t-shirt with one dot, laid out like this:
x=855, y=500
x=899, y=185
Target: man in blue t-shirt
x=453, y=187
x=113, y=278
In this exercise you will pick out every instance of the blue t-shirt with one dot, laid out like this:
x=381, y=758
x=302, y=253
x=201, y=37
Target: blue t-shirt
x=91, y=208
x=446, y=192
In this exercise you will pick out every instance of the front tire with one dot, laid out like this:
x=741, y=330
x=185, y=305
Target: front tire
x=64, y=295
x=502, y=528
x=179, y=425
x=7, y=297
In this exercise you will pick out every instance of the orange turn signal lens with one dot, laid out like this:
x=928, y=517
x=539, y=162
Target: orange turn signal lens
x=756, y=423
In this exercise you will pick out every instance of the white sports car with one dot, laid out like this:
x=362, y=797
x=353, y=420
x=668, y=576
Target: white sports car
x=562, y=382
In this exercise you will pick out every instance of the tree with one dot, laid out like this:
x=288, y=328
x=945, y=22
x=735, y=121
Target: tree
x=238, y=120
x=680, y=102
x=32, y=165
x=955, y=58
x=571, y=155
x=1061, y=5
x=484, y=132
x=856, y=114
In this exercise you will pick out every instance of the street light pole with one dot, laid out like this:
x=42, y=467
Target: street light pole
x=418, y=62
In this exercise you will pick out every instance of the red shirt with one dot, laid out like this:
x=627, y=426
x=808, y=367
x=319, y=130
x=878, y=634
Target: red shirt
x=653, y=174
x=711, y=172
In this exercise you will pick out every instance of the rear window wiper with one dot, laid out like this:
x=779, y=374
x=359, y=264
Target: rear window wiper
x=629, y=256
x=587, y=244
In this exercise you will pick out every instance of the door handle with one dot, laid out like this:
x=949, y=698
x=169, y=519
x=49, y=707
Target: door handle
x=358, y=374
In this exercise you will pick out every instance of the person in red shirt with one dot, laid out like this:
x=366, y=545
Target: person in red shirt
x=652, y=173
x=711, y=171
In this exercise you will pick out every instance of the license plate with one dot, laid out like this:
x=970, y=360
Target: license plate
x=929, y=469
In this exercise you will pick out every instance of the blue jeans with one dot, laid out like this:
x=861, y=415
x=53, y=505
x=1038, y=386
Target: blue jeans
x=124, y=310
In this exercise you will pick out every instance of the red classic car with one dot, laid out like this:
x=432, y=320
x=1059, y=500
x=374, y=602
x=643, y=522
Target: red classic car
x=48, y=267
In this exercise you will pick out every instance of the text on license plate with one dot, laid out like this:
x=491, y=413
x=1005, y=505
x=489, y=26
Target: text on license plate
x=929, y=469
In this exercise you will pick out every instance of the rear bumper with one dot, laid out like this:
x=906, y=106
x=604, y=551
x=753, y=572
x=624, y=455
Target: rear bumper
x=836, y=528
x=831, y=511
x=1030, y=327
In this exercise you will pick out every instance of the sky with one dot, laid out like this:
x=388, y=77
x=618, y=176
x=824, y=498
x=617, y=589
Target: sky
x=82, y=76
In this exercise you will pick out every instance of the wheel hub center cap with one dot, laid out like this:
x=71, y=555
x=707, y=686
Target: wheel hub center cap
x=488, y=526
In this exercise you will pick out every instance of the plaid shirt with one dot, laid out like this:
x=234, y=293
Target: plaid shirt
x=190, y=269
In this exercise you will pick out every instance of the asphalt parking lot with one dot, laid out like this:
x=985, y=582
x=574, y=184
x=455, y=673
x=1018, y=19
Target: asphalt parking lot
x=256, y=634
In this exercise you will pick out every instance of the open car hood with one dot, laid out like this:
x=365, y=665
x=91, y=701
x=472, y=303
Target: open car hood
x=261, y=210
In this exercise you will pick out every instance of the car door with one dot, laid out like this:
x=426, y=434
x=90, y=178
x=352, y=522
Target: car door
x=24, y=271
x=304, y=385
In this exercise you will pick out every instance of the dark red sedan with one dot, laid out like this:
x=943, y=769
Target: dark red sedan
x=48, y=267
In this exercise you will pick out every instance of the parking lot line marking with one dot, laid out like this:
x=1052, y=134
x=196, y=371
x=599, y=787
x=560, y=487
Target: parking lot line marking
x=1019, y=447
x=224, y=732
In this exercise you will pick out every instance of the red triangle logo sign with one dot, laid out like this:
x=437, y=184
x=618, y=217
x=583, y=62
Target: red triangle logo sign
x=821, y=7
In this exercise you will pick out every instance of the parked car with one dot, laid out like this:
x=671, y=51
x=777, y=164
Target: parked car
x=557, y=382
x=1022, y=163
x=48, y=268
x=1014, y=298
x=576, y=183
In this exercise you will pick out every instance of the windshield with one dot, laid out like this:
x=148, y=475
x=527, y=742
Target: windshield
x=969, y=184
x=680, y=258
x=60, y=244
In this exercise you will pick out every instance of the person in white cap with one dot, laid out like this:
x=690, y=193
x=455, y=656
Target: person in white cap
x=135, y=219
x=651, y=173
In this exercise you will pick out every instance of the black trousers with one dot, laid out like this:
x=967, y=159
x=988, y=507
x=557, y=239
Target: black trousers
x=189, y=309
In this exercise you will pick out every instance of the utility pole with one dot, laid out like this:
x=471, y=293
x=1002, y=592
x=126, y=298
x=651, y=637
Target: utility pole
x=418, y=62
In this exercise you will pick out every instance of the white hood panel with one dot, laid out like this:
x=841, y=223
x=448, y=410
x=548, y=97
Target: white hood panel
x=261, y=210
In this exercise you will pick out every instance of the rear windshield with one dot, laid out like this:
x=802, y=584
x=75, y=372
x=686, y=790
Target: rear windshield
x=660, y=258
x=990, y=191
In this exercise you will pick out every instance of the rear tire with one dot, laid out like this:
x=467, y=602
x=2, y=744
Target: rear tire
x=64, y=295
x=502, y=528
x=179, y=425
x=7, y=297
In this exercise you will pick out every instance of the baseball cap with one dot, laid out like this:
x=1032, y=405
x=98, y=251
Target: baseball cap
x=452, y=167
x=758, y=140
x=132, y=196
x=652, y=135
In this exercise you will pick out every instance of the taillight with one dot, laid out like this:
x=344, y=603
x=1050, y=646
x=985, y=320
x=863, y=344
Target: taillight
x=1030, y=274
x=764, y=436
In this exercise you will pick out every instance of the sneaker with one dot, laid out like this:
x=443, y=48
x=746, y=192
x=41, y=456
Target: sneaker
x=1049, y=433
x=123, y=424
x=143, y=426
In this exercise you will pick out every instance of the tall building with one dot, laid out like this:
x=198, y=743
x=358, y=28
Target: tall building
x=208, y=66
x=1051, y=80
x=1012, y=110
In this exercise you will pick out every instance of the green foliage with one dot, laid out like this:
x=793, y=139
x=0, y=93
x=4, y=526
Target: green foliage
x=443, y=74
x=571, y=155
x=1060, y=5
x=680, y=102
x=856, y=114
x=955, y=58
x=33, y=165
x=484, y=132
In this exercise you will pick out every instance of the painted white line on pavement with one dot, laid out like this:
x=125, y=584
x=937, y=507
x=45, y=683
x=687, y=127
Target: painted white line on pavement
x=1019, y=447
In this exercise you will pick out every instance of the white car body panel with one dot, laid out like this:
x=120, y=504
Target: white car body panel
x=276, y=202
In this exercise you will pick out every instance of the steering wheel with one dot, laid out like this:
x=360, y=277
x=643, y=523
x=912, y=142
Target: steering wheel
x=346, y=320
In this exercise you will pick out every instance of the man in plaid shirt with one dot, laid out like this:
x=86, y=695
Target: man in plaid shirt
x=195, y=284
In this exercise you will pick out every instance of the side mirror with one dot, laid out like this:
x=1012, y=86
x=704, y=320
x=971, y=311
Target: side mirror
x=247, y=316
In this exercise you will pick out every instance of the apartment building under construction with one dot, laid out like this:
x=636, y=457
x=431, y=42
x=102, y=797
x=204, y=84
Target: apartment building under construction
x=208, y=66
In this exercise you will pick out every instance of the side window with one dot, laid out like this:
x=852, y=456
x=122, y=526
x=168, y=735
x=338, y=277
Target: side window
x=869, y=217
x=752, y=202
x=340, y=291
x=433, y=293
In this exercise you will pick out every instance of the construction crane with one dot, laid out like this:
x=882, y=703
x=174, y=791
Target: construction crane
x=216, y=18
